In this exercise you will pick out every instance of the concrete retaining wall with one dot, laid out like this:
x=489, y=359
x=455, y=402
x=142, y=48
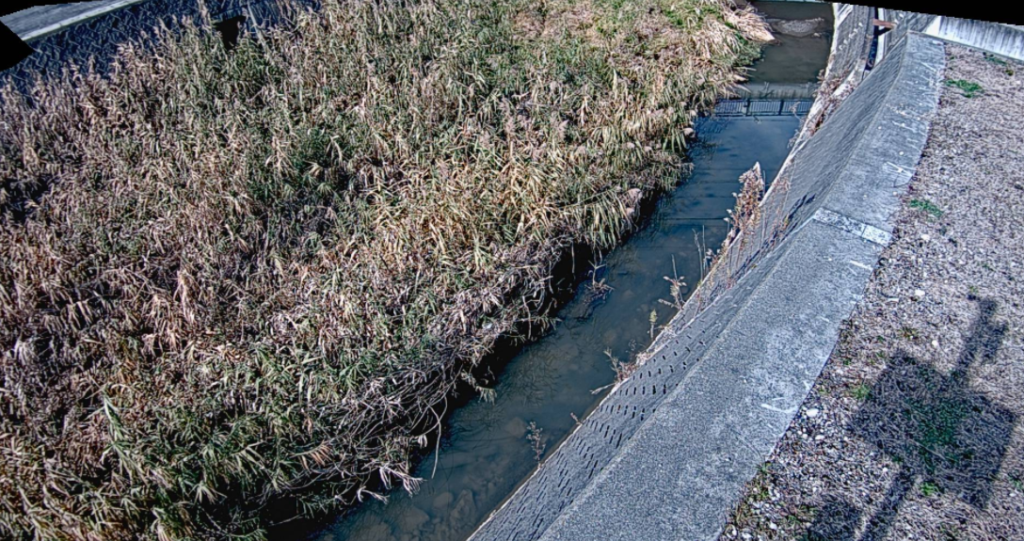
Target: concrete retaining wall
x=996, y=38
x=906, y=22
x=1000, y=39
x=851, y=41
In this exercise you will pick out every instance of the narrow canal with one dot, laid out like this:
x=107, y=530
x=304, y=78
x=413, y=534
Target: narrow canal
x=488, y=449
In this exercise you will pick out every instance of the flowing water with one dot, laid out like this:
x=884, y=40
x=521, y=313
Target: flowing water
x=488, y=449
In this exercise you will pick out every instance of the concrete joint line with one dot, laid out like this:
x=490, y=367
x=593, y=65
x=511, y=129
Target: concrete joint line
x=867, y=232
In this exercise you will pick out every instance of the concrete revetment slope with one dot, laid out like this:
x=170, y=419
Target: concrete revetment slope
x=666, y=455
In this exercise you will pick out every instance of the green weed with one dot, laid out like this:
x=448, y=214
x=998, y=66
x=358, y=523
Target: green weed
x=927, y=206
x=1007, y=68
x=995, y=60
x=929, y=489
x=968, y=88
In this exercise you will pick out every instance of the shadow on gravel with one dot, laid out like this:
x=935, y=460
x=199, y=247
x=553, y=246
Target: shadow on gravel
x=944, y=436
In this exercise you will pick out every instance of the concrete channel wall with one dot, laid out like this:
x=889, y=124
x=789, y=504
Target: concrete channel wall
x=851, y=42
x=1000, y=39
x=666, y=455
x=996, y=38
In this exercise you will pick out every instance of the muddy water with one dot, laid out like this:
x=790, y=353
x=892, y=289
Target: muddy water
x=802, y=40
x=487, y=449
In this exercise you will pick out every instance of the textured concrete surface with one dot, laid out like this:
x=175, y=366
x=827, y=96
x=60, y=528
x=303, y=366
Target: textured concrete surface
x=935, y=333
x=61, y=35
x=38, y=21
x=851, y=41
x=1001, y=39
x=1006, y=40
x=670, y=461
x=877, y=142
x=680, y=473
x=906, y=22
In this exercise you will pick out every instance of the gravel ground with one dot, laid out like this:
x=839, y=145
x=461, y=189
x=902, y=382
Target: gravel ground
x=915, y=428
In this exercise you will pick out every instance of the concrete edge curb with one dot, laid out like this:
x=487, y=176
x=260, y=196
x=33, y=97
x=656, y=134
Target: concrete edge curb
x=70, y=21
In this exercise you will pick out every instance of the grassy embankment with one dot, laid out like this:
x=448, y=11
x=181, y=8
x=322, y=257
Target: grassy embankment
x=229, y=277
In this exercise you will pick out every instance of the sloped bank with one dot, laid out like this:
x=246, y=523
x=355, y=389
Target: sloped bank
x=667, y=453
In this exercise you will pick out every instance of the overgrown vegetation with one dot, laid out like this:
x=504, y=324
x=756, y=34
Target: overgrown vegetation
x=226, y=278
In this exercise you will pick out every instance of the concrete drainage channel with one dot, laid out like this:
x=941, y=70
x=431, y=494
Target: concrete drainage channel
x=666, y=455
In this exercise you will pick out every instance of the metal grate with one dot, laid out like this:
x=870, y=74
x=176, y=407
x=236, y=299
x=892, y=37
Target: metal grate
x=751, y=107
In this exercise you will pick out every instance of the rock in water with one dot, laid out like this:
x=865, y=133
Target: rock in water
x=797, y=28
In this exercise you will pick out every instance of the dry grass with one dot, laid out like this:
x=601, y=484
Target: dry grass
x=226, y=278
x=757, y=222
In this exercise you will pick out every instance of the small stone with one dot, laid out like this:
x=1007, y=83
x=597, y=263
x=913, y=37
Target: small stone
x=918, y=294
x=515, y=427
x=380, y=531
x=935, y=344
x=926, y=237
x=813, y=412
x=773, y=526
x=443, y=500
x=412, y=518
x=819, y=437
